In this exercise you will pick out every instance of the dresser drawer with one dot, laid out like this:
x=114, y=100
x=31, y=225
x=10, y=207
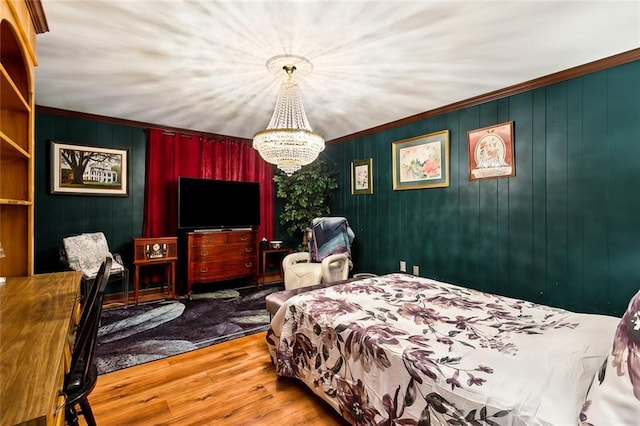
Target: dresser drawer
x=221, y=270
x=224, y=252
x=241, y=237
x=207, y=239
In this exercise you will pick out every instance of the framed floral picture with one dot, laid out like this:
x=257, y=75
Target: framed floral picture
x=88, y=170
x=421, y=162
x=362, y=177
x=491, y=152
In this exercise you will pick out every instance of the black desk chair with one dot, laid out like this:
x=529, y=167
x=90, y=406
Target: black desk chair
x=83, y=374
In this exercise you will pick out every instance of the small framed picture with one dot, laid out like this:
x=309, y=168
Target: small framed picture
x=88, y=170
x=491, y=152
x=362, y=177
x=421, y=162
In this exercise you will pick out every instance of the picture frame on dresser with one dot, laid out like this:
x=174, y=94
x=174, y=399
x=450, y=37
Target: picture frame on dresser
x=88, y=170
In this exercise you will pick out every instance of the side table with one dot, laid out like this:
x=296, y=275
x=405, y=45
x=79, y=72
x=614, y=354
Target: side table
x=269, y=254
x=155, y=251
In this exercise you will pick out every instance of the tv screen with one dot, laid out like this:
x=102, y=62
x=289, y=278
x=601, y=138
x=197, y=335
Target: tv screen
x=217, y=204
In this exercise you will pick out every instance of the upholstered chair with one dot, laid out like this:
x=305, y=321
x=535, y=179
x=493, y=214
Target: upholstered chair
x=299, y=271
x=329, y=256
x=86, y=253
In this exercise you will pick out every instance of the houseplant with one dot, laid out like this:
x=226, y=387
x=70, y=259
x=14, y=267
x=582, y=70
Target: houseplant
x=305, y=194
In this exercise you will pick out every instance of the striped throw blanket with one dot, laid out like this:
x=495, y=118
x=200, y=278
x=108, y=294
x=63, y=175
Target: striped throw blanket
x=329, y=235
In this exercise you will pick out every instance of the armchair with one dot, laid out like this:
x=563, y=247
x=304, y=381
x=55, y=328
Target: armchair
x=299, y=271
x=329, y=256
x=86, y=253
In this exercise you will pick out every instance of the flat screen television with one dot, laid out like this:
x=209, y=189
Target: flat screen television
x=205, y=204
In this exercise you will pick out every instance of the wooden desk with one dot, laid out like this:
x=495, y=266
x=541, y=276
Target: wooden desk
x=264, y=256
x=155, y=251
x=38, y=320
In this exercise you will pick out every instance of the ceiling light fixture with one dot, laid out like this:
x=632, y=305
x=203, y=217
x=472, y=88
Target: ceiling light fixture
x=288, y=141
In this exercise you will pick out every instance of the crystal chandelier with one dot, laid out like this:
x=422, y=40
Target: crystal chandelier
x=289, y=142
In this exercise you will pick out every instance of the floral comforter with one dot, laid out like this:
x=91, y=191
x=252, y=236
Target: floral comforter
x=405, y=350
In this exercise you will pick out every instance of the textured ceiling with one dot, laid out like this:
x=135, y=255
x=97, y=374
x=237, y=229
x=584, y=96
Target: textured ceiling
x=200, y=65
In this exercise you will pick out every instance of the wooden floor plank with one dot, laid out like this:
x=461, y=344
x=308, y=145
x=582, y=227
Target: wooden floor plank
x=231, y=383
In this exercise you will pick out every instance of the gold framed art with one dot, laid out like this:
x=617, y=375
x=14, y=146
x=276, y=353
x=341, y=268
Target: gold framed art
x=362, y=177
x=421, y=162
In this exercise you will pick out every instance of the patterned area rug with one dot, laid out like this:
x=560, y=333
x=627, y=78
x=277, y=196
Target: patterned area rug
x=156, y=330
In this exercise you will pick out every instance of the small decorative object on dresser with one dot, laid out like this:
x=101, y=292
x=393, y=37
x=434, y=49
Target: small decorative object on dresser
x=276, y=244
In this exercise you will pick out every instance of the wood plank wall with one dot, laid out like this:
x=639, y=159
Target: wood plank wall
x=564, y=231
x=60, y=215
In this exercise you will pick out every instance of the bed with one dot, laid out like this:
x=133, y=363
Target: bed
x=404, y=350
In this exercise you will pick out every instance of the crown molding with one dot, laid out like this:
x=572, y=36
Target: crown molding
x=37, y=16
x=591, y=67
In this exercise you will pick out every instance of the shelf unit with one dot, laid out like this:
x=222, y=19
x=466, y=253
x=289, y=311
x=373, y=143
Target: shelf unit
x=20, y=20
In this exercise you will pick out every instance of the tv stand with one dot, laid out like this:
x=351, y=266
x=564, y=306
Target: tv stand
x=219, y=255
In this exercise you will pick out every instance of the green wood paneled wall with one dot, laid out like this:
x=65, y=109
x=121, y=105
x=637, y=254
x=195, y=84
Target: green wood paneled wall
x=565, y=231
x=58, y=216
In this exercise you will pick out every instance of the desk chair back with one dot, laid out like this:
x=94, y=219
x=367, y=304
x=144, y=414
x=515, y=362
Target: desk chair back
x=83, y=374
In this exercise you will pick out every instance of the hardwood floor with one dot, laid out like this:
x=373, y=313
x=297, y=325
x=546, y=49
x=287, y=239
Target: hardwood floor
x=232, y=383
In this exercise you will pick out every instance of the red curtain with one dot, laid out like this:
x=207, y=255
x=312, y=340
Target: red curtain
x=170, y=155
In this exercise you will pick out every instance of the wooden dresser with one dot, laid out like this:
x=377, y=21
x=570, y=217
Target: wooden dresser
x=39, y=315
x=220, y=255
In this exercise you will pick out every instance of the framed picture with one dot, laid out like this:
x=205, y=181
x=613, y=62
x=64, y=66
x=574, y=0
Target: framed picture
x=421, y=162
x=88, y=170
x=491, y=152
x=362, y=177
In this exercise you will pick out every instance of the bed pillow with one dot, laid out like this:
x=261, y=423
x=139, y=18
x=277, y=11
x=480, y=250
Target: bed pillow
x=614, y=396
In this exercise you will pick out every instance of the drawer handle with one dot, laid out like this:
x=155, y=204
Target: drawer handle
x=248, y=265
x=62, y=405
x=204, y=253
x=249, y=249
x=204, y=269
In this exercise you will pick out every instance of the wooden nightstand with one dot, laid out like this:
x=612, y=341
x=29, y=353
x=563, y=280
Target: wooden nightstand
x=273, y=255
x=155, y=251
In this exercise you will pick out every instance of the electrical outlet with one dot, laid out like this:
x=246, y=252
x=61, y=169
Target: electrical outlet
x=416, y=270
x=403, y=266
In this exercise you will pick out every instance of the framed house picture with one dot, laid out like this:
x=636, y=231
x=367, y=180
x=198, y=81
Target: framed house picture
x=491, y=152
x=421, y=162
x=362, y=177
x=88, y=170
